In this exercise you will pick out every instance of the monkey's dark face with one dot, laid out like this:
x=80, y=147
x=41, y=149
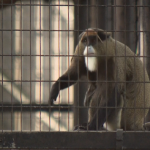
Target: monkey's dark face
x=92, y=45
x=90, y=40
x=90, y=53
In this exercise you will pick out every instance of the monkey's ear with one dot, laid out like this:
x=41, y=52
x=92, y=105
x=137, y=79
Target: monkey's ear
x=80, y=36
x=103, y=35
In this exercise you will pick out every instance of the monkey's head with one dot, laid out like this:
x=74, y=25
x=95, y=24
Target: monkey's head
x=93, y=45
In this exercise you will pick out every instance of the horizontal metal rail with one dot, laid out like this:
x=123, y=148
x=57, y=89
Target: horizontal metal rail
x=76, y=140
x=45, y=107
x=35, y=107
x=77, y=5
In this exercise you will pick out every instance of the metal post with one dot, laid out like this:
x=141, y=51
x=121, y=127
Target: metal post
x=125, y=22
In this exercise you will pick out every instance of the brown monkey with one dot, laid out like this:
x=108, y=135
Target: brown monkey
x=118, y=95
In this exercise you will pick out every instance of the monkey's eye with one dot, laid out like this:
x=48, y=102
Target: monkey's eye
x=84, y=40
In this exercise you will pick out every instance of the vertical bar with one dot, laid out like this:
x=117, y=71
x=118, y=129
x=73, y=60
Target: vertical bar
x=80, y=115
x=98, y=19
x=2, y=67
x=109, y=15
x=84, y=20
x=97, y=25
x=59, y=55
x=146, y=38
x=78, y=110
x=97, y=15
x=40, y=64
x=127, y=24
x=106, y=61
x=30, y=75
x=101, y=14
x=11, y=72
x=119, y=26
x=146, y=29
x=87, y=45
x=119, y=21
x=78, y=77
x=125, y=38
x=21, y=61
x=68, y=61
x=131, y=35
x=131, y=24
x=93, y=13
x=49, y=64
x=114, y=33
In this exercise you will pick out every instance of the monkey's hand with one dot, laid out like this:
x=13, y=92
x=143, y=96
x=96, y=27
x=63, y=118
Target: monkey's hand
x=85, y=126
x=54, y=93
x=81, y=127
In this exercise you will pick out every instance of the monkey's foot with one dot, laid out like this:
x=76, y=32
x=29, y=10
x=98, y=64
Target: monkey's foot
x=147, y=126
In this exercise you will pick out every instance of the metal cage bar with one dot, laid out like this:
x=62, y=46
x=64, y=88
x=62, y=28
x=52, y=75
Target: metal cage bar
x=37, y=39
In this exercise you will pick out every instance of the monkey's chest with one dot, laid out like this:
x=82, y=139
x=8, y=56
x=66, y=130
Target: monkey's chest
x=91, y=63
x=92, y=76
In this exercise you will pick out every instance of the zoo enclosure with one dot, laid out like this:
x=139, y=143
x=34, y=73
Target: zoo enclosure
x=38, y=39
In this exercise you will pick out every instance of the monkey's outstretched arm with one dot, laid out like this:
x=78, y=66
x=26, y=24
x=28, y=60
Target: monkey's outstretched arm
x=63, y=82
x=75, y=71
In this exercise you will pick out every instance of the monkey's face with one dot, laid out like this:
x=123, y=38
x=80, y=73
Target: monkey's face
x=90, y=53
x=90, y=40
x=93, y=46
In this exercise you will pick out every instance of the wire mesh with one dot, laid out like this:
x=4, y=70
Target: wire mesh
x=40, y=39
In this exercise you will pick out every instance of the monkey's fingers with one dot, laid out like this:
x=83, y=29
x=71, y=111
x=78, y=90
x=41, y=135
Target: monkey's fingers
x=52, y=98
x=53, y=94
x=75, y=128
x=78, y=128
x=50, y=102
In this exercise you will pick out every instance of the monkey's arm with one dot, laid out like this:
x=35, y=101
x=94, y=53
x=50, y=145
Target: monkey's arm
x=75, y=71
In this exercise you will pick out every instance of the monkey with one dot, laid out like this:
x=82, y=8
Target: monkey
x=118, y=96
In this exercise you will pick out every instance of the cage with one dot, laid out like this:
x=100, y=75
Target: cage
x=38, y=39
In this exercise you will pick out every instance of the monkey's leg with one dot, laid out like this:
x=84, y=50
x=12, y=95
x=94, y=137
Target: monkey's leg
x=102, y=112
x=87, y=100
x=89, y=94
